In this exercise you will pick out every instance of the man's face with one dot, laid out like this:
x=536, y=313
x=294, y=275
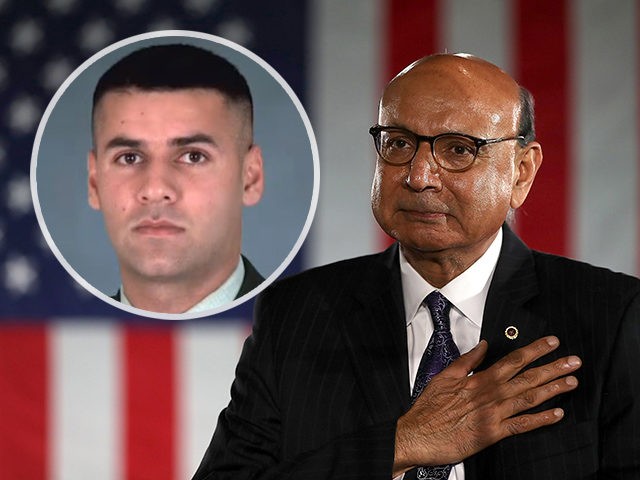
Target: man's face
x=431, y=210
x=170, y=172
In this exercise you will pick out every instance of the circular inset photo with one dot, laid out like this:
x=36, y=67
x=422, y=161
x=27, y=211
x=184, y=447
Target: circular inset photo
x=175, y=174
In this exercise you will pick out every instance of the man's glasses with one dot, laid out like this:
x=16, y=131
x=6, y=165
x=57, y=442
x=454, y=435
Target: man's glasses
x=454, y=152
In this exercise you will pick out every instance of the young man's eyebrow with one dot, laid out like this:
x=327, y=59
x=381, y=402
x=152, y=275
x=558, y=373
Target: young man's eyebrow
x=119, y=141
x=196, y=138
x=126, y=142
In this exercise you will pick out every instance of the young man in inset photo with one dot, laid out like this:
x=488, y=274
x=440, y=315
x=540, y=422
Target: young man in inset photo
x=173, y=164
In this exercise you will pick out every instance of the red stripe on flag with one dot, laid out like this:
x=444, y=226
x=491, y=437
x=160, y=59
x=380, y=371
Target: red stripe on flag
x=542, y=64
x=412, y=27
x=412, y=33
x=23, y=402
x=150, y=427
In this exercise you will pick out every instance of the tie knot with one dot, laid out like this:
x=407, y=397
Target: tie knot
x=439, y=307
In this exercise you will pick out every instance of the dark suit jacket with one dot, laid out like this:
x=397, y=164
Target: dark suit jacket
x=251, y=280
x=324, y=376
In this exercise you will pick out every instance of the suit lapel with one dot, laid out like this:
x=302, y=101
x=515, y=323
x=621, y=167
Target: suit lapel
x=507, y=323
x=375, y=333
x=251, y=280
x=512, y=289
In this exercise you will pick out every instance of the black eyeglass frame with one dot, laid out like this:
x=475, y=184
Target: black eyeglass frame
x=375, y=131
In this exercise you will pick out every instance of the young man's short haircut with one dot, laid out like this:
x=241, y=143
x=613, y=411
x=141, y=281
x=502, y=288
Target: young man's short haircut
x=175, y=67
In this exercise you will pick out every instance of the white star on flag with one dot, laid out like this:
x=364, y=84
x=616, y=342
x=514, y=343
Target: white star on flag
x=19, y=195
x=19, y=275
x=26, y=36
x=24, y=113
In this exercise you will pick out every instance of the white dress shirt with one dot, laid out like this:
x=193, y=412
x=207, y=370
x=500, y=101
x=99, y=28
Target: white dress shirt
x=224, y=294
x=467, y=294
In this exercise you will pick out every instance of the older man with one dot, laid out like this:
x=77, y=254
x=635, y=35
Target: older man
x=345, y=374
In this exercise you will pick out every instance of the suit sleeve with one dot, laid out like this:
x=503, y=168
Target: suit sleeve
x=248, y=442
x=620, y=409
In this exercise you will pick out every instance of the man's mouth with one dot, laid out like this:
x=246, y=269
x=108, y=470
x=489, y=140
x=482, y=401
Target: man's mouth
x=158, y=228
x=425, y=214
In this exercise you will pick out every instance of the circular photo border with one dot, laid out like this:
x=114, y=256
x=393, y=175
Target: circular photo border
x=164, y=34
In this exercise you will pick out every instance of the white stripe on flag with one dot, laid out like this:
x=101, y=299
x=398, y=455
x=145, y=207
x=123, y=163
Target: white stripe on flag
x=480, y=28
x=206, y=359
x=85, y=438
x=344, y=81
x=605, y=83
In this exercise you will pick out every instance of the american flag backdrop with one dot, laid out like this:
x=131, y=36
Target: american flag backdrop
x=89, y=392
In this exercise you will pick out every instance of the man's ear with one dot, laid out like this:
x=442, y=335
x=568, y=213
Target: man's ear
x=252, y=176
x=94, y=198
x=528, y=161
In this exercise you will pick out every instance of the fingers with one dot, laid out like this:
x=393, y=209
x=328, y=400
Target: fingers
x=526, y=423
x=547, y=377
x=509, y=366
x=539, y=375
x=516, y=424
x=535, y=396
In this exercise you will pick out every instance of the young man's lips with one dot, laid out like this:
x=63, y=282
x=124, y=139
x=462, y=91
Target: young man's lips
x=158, y=228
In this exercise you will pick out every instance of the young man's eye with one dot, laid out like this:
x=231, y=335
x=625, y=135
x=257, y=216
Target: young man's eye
x=193, y=157
x=128, y=158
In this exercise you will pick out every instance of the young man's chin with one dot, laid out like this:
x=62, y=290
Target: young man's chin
x=156, y=272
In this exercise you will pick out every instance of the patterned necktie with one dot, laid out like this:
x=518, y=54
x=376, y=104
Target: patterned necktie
x=438, y=355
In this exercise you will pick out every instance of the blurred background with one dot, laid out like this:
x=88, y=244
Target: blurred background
x=86, y=391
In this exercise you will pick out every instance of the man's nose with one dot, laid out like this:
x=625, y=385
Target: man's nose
x=158, y=184
x=424, y=172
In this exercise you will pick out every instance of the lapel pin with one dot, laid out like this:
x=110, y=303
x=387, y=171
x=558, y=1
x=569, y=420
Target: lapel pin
x=511, y=333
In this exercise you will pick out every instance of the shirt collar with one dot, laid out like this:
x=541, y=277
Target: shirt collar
x=467, y=292
x=221, y=296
